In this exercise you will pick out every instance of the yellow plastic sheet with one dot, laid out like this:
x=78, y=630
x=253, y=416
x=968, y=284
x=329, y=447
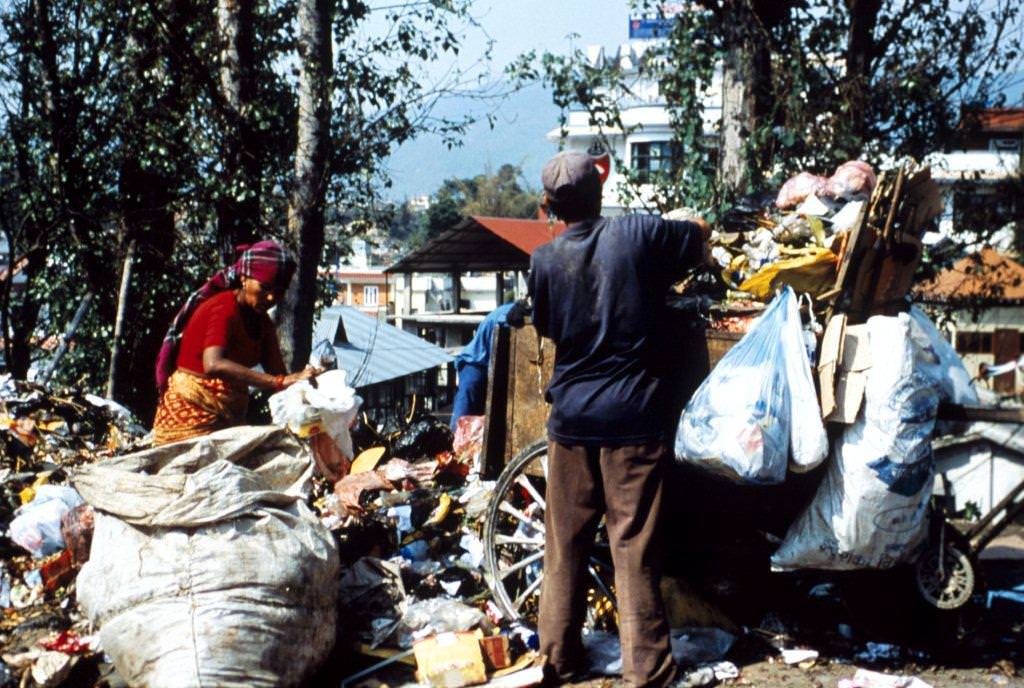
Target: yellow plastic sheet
x=812, y=271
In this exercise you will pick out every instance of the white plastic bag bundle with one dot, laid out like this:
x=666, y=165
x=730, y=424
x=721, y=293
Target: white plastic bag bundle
x=207, y=568
x=807, y=439
x=331, y=403
x=869, y=512
x=757, y=403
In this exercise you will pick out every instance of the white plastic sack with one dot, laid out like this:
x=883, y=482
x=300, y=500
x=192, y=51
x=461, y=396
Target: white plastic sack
x=807, y=439
x=207, y=568
x=36, y=526
x=332, y=402
x=757, y=403
x=936, y=358
x=869, y=512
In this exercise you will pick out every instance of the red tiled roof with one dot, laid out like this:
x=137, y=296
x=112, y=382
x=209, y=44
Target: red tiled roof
x=526, y=235
x=480, y=244
x=997, y=119
x=985, y=275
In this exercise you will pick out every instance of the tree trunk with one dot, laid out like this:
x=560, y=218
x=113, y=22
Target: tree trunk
x=746, y=97
x=116, y=348
x=860, y=46
x=148, y=195
x=238, y=210
x=306, y=206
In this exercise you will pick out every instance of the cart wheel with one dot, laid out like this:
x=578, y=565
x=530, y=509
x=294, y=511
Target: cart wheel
x=945, y=573
x=514, y=544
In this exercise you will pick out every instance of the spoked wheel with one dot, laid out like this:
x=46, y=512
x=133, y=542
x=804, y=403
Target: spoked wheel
x=514, y=544
x=945, y=573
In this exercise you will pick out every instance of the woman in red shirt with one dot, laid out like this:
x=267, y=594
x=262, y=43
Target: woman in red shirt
x=206, y=364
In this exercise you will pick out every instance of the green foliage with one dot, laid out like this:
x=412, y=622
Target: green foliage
x=492, y=194
x=116, y=132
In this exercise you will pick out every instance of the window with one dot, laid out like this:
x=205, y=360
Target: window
x=370, y=296
x=974, y=342
x=1007, y=144
x=651, y=159
x=977, y=211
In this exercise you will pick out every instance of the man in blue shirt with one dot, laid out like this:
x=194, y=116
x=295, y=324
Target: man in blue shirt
x=471, y=366
x=598, y=292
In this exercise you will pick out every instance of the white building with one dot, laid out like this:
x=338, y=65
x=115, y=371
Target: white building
x=645, y=143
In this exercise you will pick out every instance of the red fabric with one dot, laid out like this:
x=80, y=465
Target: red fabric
x=218, y=322
x=266, y=262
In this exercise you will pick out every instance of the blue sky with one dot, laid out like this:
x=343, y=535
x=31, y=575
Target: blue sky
x=515, y=26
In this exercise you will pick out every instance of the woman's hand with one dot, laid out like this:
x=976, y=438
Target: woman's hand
x=304, y=374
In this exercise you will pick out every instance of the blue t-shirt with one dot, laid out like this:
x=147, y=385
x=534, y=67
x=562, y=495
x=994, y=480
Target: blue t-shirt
x=598, y=292
x=478, y=351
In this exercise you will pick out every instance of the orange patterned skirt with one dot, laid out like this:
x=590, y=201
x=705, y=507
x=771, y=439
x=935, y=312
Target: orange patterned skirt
x=195, y=405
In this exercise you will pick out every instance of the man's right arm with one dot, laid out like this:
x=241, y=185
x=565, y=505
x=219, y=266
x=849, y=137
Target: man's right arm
x=684, y=244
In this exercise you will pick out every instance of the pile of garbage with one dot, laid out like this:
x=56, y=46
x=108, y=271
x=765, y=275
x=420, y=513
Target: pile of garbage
x=409, y=519
x=45, y=525
x=795, y=236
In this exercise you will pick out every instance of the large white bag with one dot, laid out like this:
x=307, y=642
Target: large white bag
x=207, y=568
x=869, y=511
x=757, y=404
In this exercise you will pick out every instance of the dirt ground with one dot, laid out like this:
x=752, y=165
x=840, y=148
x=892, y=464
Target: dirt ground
x=828, y=675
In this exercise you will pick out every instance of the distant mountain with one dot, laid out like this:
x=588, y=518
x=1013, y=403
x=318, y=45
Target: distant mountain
x=418, y=167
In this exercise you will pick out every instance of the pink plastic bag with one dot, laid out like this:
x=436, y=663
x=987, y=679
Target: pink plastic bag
x=852, y=179
x=796, y=190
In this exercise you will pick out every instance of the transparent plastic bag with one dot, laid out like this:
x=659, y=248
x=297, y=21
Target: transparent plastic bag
x=36, y=526
x=738, y=421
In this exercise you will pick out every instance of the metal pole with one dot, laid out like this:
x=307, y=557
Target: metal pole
x=68, y=335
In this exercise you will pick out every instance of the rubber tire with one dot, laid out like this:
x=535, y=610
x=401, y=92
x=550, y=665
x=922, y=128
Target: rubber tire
x=503, y=485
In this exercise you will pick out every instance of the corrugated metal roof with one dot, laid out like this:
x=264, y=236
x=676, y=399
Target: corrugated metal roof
x=480, y=244
x=1009, y=435
x=373, y=351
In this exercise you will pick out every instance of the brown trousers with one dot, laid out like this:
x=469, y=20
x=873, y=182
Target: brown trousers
x=623, y=484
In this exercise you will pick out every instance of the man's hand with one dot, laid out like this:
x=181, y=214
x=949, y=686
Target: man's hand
x=516, y=316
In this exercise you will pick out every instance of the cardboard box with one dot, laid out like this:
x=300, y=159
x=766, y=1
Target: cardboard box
x=842, y=369
x=450, y=660
x=496, y=654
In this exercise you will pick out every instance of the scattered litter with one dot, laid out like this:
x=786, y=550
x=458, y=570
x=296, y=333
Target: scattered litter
x=695, y=678
x=873, y=679
x=799, y=656
x=879, y=652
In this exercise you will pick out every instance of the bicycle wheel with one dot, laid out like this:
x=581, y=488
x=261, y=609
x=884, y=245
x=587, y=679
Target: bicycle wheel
x=514, y=544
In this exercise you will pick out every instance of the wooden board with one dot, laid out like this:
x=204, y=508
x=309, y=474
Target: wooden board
x=531, y=361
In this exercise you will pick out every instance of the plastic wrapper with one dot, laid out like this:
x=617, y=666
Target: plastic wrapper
x=429, y=617
x=36, y=526
x=813, y=273
x=852, y=179
x=798, y=188
x=330, y=406
x=738, y=421
x=425, y=437
x=373, y=598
